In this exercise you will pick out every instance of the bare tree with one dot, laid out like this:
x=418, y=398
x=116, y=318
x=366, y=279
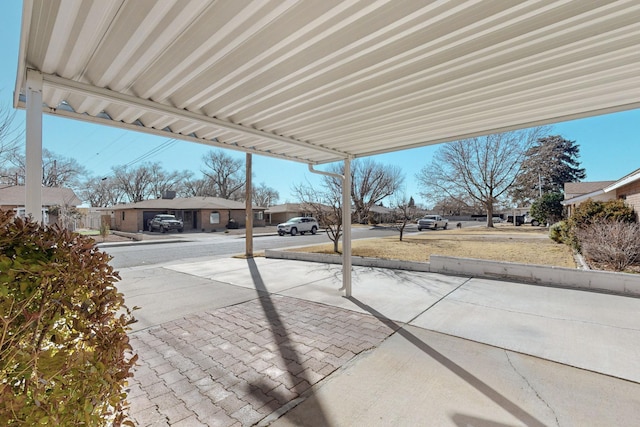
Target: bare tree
x=226, y=174
x=404, y=211
x=135, y=184
x=456, y=205
x=57, y=171
x=198, y=187
x=10, y=137
x=371, y=182
x=163, y=181
x=101, y=192
x=325, y=204
x=264, y=196
x=483, y=168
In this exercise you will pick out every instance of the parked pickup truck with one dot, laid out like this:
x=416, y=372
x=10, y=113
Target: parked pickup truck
x=165, y=223
x=433, y=222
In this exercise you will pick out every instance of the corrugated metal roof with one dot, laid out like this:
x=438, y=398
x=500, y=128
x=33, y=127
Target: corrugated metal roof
x=320, y=81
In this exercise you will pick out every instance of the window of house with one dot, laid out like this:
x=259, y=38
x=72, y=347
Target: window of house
x=259, y=215
x=123, y=215
x=214, y=218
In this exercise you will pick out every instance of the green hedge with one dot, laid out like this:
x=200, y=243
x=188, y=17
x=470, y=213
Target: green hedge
x=64, y=352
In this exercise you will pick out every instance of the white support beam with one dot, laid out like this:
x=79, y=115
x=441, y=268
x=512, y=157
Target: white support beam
x=249, y=208
x=346, y=229
x=33, y=154
x=346, y=222
x=148, y=106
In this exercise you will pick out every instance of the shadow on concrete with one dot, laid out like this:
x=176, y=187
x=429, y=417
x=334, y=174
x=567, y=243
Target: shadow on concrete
x=285, y=347
x=463, y=420
x=525, y=417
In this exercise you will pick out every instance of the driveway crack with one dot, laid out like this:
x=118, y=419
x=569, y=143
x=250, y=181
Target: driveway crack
x=532, y=388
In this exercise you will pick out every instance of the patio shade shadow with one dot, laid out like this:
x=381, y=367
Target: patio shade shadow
x=285, y=345
x=458, y=370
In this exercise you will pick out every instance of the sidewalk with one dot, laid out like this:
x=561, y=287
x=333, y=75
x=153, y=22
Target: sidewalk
x=235, y=342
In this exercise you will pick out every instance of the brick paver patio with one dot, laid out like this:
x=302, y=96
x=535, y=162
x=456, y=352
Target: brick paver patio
x=236, y=365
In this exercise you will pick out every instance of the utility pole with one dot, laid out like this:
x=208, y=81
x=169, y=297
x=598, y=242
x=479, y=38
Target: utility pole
x=540, y=184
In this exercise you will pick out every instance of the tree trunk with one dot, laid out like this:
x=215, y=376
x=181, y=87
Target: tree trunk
x=490, y=215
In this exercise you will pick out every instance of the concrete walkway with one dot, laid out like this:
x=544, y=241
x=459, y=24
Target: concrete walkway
x=233, y=342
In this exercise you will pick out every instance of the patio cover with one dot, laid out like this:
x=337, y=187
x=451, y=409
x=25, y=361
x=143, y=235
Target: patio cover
x=330, y=80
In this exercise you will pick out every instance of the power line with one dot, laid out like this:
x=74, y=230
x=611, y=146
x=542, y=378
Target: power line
x=103, y=149
x=166, y=144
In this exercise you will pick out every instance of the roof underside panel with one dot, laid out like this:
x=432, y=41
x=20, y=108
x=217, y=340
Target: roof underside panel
x=321, y=81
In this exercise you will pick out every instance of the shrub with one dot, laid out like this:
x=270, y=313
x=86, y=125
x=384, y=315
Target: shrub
x=64, y=352
x=596, y=212
x=591, y=211
x=614, y=244
x=559, y=232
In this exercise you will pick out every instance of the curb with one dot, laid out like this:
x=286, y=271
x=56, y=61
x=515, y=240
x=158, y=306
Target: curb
x=540, y=275
x=137, y=242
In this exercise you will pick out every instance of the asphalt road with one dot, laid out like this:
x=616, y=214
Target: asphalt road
x=201, y=245
x=220, y=245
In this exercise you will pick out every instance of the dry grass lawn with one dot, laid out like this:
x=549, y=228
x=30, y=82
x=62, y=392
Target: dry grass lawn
x=528, y=245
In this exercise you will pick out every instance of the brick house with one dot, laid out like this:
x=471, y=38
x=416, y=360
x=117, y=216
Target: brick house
x=626, y=188
x=198, y=213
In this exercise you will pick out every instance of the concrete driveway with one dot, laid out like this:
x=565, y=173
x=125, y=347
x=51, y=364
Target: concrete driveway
x=264, y=341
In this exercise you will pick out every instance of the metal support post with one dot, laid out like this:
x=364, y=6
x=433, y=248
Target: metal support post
x=346, y=228
x=346, y=222
x=33, y=173
x=249, y=209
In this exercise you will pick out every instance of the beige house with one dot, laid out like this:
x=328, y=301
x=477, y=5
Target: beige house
x=278, y=214
x=626, y=188
x=55, y=201
x=198, y=213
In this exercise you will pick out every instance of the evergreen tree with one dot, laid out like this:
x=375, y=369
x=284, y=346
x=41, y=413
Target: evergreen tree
x=547, y=165
x=548, y=209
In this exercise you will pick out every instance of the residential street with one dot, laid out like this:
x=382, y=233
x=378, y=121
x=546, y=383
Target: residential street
x=191, y=246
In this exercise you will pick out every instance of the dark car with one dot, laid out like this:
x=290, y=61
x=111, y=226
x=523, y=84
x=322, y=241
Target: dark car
x=165, y=223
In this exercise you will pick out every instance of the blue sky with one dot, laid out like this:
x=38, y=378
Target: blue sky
x=609, y=144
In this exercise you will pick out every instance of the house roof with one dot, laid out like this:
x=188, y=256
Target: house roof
x=625, y=180
x=582, y=197
x=574, y=189
x=380, y=209
x=322, y=81
x=285, y=207
x=289, y=207
x=581, y=191
x=295, y=208
x=186, y=203
x=51, y=196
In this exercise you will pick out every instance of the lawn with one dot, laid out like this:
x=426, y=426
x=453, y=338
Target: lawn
x=528, y=245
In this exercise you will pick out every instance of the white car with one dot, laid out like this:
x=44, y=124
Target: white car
x=298, y=225
x=433, y=222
